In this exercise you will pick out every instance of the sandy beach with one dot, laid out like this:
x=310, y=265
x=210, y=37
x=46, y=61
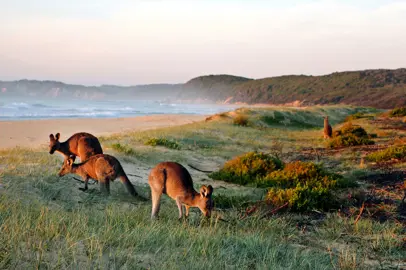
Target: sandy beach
x=35, y=133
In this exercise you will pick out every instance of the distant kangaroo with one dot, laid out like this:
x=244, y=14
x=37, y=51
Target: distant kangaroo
x=174, y=180
x=83, y=145
x=328, y=131
x=103, y=168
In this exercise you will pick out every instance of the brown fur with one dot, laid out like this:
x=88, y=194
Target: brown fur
x=103, y=168
x=174, y=180
x=328, y=130
x=82, y=145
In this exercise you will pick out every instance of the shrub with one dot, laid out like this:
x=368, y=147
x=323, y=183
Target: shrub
x=393, y=152
x=398, y=112
x=354, y=116
x=356, y=130
x=298, y=172
x=163, y=142
x=350, y=135
x=248, y=168
x=303, y=185
x=123, y=148
x=301, y=198
x=348, y=140
x=241, y=120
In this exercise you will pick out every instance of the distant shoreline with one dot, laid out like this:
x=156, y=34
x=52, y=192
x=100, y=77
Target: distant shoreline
x=56, y=118
x=35, y=133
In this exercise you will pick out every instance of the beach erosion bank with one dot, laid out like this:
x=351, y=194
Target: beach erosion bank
x=35, y=133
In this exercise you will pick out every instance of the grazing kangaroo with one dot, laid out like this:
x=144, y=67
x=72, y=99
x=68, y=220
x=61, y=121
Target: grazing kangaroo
x=101, y=167
x=328, y=131
x=83, y=145
x=174, y=180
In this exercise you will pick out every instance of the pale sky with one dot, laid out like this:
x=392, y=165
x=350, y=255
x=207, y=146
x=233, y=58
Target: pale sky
x=131, y=42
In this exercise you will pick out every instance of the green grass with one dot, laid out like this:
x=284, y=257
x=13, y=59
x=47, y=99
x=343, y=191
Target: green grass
x=47, y=222
x=47, y=228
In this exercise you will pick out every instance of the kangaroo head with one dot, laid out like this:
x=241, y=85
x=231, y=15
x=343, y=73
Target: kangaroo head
x=206, y=202
x=66, y=166
x=54, y=142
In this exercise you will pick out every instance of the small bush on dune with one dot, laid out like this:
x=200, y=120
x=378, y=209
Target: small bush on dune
x=247, y=168
x=301, y=198
x=393, y=152
x=298, y=172
x=241, y=120
x=123, y=148
x=301, y=185
x=350, y=135
x=355, y=116
x=355, y=130
x=163, y=142
x=348, y=140
x=398, y=112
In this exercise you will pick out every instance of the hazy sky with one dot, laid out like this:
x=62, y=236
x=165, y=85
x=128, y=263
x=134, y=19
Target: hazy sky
x=133, y=42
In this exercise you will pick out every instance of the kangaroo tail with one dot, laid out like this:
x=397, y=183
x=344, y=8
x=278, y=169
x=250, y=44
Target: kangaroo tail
x=130, y=188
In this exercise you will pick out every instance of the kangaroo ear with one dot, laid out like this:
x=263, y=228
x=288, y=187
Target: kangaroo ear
x=51, y=137
x=57, y=135
x=70, y=160
x=203, y=191
x=206, y=191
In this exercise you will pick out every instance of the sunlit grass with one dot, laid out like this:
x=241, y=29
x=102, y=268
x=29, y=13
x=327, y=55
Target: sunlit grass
x=47, y=222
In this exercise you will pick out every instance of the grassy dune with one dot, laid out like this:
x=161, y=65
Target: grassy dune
x=46, y=222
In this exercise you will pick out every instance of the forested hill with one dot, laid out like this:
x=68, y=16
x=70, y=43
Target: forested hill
x=377, y=88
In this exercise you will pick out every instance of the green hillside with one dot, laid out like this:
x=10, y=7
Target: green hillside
x=212, y=87
x=377, y=88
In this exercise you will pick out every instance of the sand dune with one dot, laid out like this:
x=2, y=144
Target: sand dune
x=34, y=133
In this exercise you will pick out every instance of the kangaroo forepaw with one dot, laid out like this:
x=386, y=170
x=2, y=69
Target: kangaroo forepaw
x=82, y=189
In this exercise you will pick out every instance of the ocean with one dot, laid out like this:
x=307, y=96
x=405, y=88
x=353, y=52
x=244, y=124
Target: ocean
x=14, y=109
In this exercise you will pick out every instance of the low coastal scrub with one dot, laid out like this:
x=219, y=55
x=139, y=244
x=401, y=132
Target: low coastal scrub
x=248, y=168
x=393, y=152
x=355, y=116
x=298, y=172
x=350, y=135
x=398, y=112
x=241, y=120
x=163, y=142
x=123, y=149
x=300, y=185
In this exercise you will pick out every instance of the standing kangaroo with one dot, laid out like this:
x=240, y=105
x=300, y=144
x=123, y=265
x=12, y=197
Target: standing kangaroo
x=101, y=167
x=174, y=180
x=328, y=131
x=83, y=145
